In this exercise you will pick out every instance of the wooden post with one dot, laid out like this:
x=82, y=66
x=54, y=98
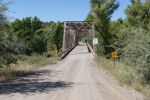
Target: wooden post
x=114, y=57
x=114, y=63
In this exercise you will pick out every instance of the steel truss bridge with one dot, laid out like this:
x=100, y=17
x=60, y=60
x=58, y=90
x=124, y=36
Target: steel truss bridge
x=71, y=31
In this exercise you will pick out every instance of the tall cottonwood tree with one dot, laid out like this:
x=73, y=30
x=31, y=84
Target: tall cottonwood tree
x=101, y=13
x=9, y=46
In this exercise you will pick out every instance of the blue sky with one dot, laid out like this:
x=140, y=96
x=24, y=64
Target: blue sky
x=58, y=10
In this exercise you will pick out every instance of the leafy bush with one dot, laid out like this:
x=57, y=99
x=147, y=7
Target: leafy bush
x=135, y=51
x=126, y=75
x=9, y=49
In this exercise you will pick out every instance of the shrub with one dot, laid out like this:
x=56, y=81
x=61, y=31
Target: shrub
x=135, y=51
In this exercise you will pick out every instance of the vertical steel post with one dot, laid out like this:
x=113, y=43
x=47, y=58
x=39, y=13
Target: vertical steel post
x=93, y=31
x=93, y=27
x=74, y=38
x=64, y=37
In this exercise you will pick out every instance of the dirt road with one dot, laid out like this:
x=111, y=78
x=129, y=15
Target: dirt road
x=74, y=78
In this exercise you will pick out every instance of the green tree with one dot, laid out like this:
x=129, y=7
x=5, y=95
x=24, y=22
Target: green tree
x=10, y=46
x=138, y=13
x=101, y=13
x=30, y=31
x=3, y=9
x=39, y=42
x=58, y=36
x=132, y=38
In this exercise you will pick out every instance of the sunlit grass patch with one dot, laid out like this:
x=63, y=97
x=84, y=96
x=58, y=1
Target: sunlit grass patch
x=125, y=74
x=26, y=65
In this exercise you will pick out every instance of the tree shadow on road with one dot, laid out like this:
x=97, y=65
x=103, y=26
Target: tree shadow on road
x=31, y=84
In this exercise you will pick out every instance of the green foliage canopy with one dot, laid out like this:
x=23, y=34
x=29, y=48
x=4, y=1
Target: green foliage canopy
x=101, y=13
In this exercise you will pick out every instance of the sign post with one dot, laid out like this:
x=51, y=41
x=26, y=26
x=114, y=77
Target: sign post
x=114, y=56
x=95, y=42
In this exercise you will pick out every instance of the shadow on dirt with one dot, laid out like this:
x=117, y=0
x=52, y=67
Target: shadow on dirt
x=31, y=83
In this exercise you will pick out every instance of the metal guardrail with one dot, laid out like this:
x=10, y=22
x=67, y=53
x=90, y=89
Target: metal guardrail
x=66, y=52
x=90, y=49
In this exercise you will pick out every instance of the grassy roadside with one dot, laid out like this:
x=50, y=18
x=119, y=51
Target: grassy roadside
x=125, y=75
x=26, y=65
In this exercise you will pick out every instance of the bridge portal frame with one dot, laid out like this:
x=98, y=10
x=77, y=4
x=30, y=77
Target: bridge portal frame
x=70, y=31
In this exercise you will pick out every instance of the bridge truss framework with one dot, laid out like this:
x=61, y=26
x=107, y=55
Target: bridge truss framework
x=73, y=28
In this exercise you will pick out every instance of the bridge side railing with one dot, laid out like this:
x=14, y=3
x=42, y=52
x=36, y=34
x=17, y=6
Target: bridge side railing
x=90, y=49
x=63, y=54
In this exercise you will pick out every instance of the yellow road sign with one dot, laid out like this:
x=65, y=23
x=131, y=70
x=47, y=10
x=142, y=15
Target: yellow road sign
x=114, y=55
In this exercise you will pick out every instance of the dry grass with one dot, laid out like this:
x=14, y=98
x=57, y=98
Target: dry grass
x=8, y=73
x=126, y=75
x=26, y=65
x=37, y=60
